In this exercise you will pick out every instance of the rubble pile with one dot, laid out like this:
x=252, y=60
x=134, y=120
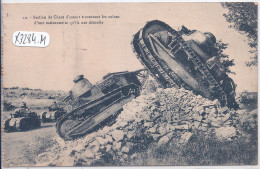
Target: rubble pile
x=157, y=117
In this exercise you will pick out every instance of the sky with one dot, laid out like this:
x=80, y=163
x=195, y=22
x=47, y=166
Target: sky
x=95, y=50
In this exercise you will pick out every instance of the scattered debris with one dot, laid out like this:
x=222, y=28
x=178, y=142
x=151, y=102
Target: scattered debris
x=156, y=117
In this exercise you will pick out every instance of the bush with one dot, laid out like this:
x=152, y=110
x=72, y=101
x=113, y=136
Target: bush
x=202, y=150
x=8, y=106
x=248, y=100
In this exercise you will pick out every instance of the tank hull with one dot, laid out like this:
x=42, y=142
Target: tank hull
x=21, y=124
x=51, y=116
x=177, y=63
x=117, y=90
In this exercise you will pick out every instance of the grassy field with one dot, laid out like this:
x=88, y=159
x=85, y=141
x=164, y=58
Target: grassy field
x=36, y=99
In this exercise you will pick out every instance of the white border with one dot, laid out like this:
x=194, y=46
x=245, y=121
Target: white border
x=105, y=1
x=152, y=167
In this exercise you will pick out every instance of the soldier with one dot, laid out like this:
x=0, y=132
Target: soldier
x=22, y=110
x=54, y=106
x=229, y=87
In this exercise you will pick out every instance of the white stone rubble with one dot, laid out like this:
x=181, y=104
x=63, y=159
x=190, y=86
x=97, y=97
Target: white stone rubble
x=152, y=117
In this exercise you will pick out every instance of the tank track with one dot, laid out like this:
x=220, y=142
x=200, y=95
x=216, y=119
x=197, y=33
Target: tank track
x=156, y=65
x=170, y=76
x=101, y=112
x=202, y=68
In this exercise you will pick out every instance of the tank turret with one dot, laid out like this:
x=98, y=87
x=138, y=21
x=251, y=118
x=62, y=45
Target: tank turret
x=201, y=38
x=205, y=41
x=81, y=88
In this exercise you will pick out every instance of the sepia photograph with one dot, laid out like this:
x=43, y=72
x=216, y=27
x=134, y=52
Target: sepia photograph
x=129, y=84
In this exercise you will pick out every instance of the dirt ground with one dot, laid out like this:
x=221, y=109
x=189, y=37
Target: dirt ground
x=23, y=147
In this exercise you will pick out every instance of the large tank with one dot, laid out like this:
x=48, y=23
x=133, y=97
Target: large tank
x=22, y=121
x=93, y=106
x=184, y=59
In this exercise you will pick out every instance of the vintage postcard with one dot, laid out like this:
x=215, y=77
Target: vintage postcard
x=129, y=84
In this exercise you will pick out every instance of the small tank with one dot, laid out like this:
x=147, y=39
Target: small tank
x=94, y=106
x=184, y=58
x=22, y=119
x=53, y=114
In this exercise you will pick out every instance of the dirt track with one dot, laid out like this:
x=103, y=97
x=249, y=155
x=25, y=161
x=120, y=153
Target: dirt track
x=23, y=147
